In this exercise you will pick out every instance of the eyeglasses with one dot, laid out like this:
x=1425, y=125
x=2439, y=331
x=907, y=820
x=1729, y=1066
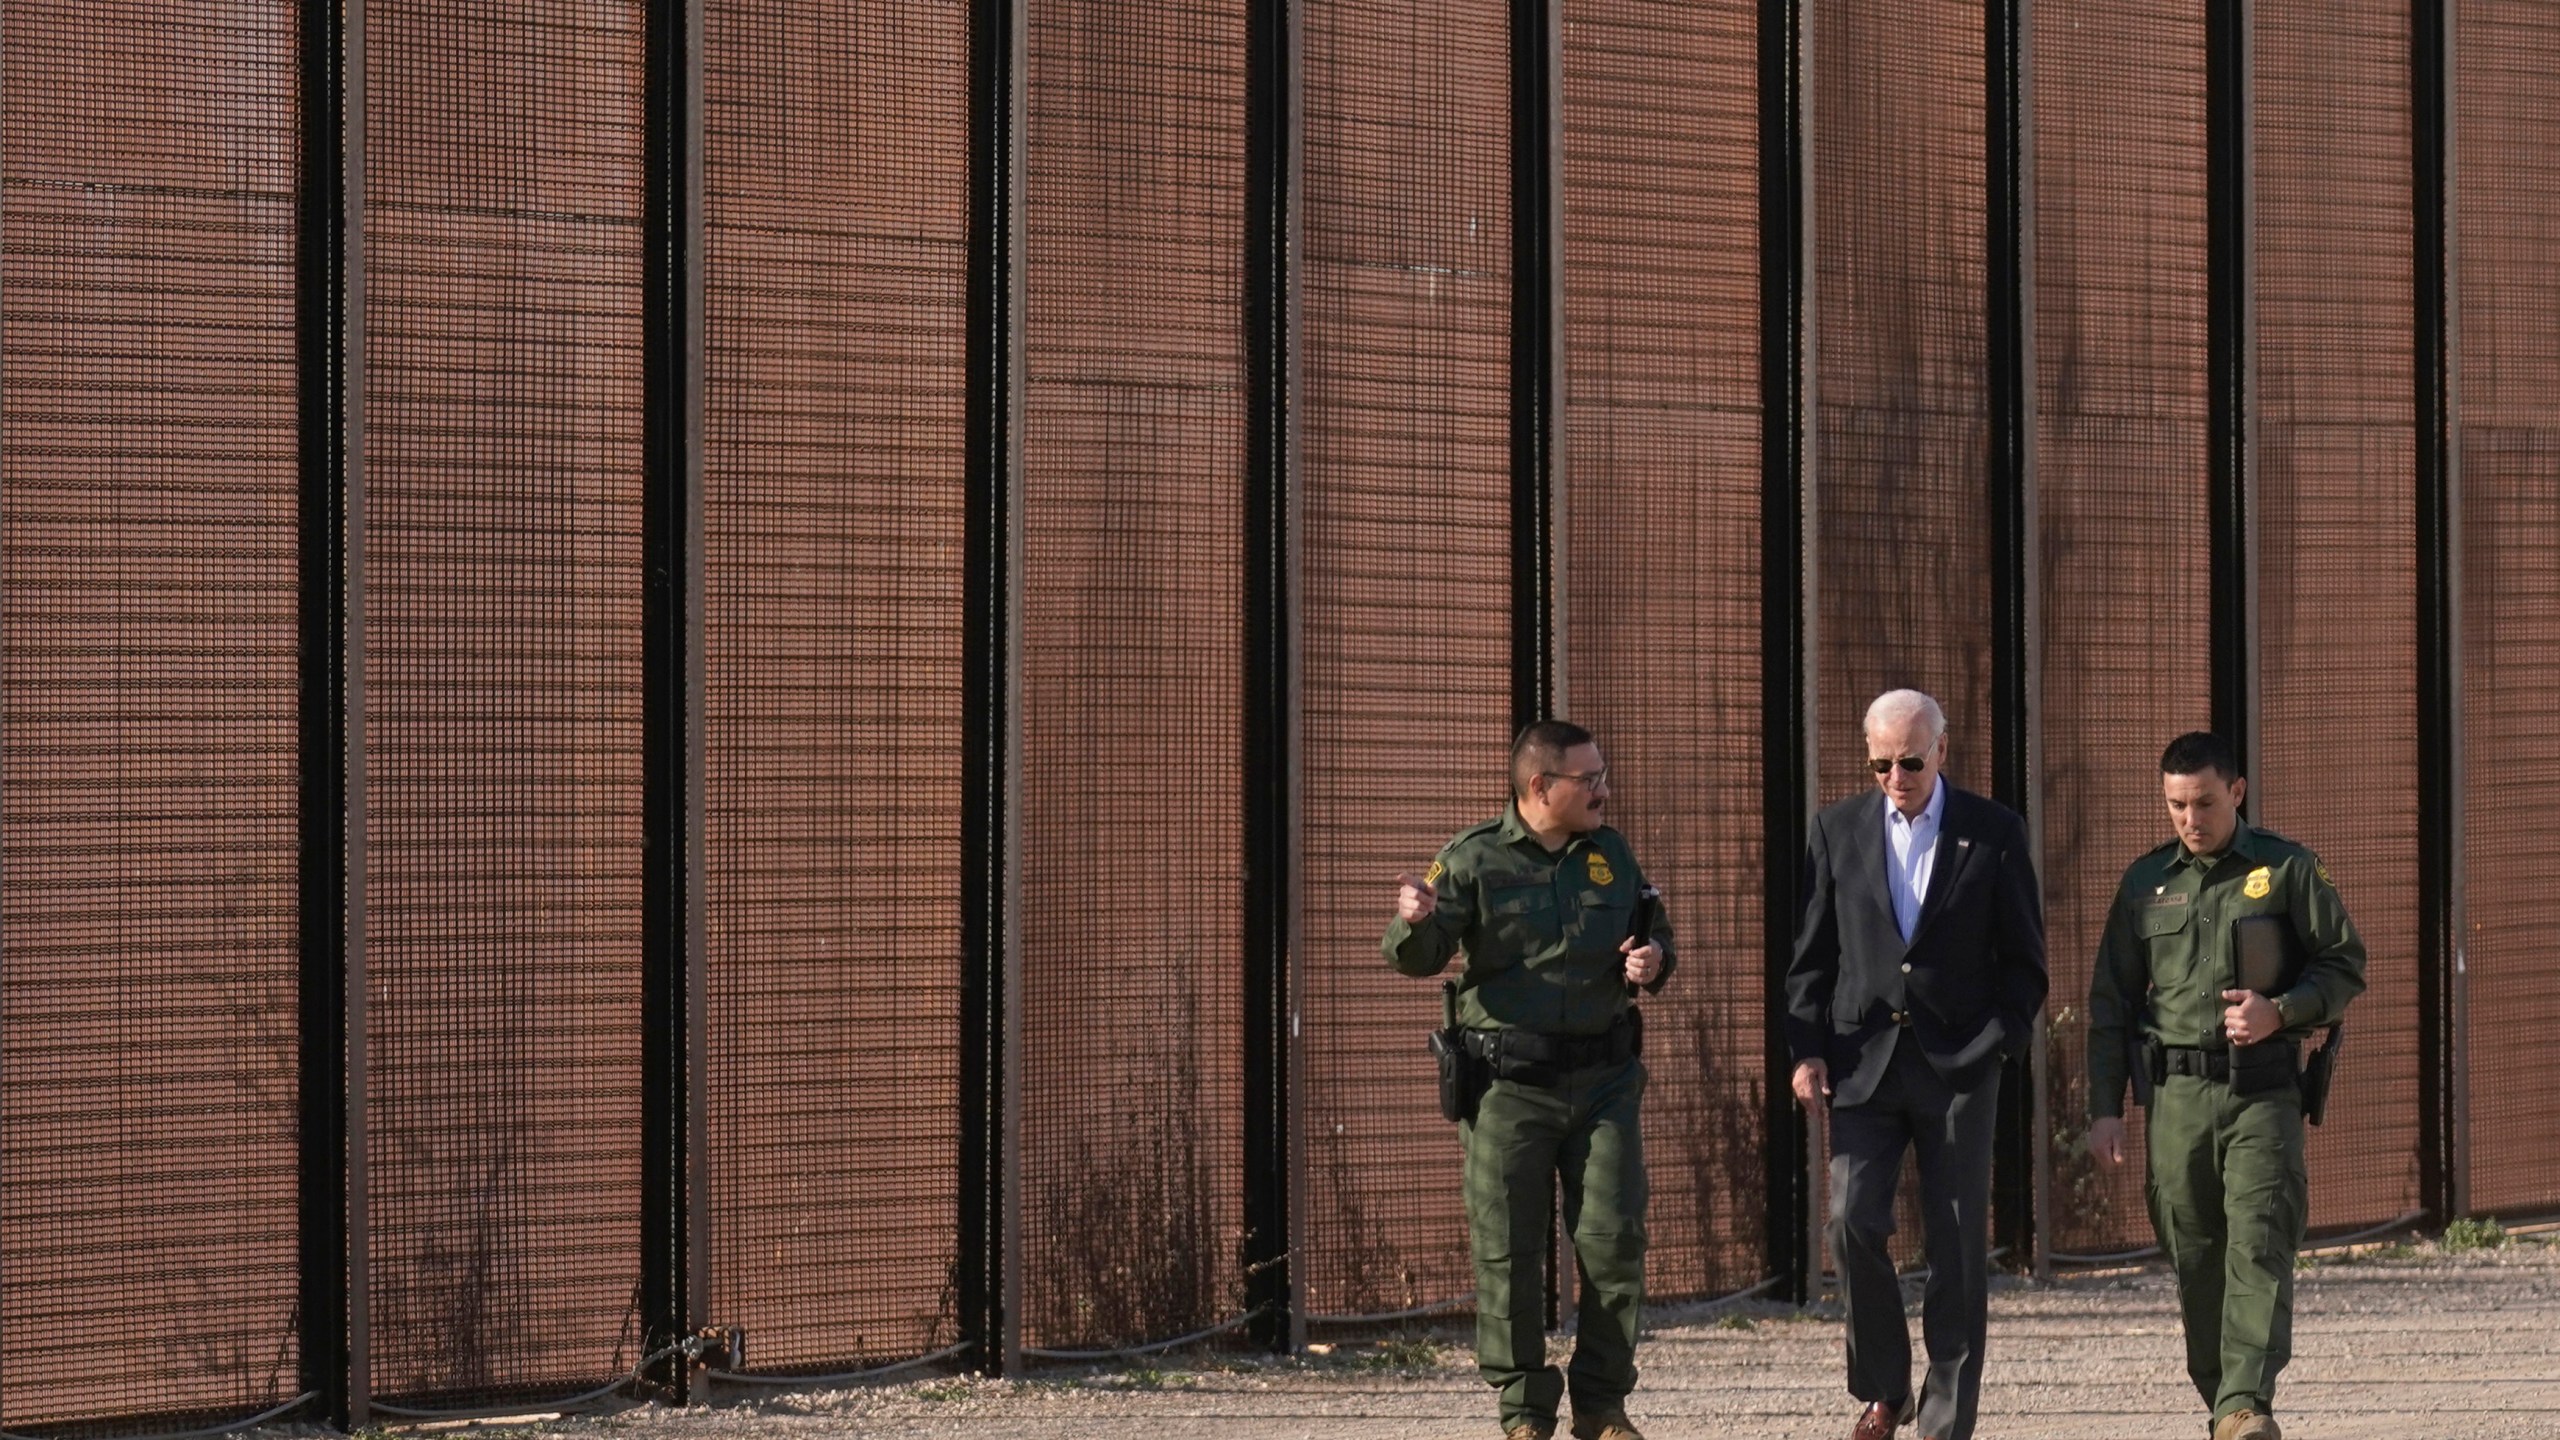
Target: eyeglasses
x=1596, y=777
x=1911, y=764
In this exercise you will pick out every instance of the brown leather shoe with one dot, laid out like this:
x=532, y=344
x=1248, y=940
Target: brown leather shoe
x=2247, y=1425
x=1605, y=1425
x=1879, y=1420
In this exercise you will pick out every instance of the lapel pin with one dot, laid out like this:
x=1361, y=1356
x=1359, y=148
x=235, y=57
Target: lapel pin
x=1963, y=844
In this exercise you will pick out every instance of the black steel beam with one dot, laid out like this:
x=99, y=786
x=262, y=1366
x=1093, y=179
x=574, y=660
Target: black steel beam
x=2443, y=1158
x=2011, y=511
x=1533, y=362
x=326, y=326
x=1786, y=662
x=2227, y=377
x=1270, y=695
x=986, y=681
x=671, y=351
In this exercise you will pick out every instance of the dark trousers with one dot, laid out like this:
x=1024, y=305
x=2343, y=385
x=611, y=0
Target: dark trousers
x=1951, y=1129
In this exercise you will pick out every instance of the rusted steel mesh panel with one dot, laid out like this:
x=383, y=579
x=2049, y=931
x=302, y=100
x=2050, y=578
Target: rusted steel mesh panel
x=149, y=838
x=1661, y=547
x=1131, y=849
x=2337, y=542
x=1404, y=484
x=2121, y=482
x=1901, y=445
x=502, y=721
x=2506, y=218
x=836, y=213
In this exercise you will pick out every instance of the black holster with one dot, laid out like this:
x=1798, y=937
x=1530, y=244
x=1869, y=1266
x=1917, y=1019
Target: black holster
x=2317, y=1075
x=1461, y=1074
x=2150, y=1067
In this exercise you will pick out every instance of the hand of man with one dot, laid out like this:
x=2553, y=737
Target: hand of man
x=1812, y=1083
x=2106, y=1138
x=1414, y=900
x=1643, y=961
x=2250, y=1018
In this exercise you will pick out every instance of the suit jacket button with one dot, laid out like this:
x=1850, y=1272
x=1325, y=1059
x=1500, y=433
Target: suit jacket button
x=1906, y=967
x=1901, y=1017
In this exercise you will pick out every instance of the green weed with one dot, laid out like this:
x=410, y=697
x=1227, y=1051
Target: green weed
x=2468, y=1234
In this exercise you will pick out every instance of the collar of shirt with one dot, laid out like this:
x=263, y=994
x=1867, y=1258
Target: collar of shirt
x=1516, y=830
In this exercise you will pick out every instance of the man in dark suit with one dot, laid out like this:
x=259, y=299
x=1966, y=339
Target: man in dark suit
x=1919, y=967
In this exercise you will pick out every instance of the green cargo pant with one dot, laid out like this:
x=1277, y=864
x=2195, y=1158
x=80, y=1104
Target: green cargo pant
x=2228, y=1199
x=1524, y=1137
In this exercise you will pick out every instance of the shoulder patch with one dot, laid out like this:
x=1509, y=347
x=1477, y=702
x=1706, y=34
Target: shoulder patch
x=2322, y=870
x=1432, y=875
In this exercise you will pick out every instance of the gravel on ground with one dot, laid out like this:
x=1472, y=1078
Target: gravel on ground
x=2398, y=1341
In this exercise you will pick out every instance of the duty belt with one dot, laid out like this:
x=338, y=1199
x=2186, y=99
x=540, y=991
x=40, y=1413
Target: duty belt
x=1527, y=1051
x=2279, y=1056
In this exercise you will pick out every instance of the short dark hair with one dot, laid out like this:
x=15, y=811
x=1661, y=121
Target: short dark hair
x=1540, y=749
x=2198, y=751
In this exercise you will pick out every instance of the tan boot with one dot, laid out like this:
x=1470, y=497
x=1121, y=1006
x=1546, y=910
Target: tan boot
x=1606, y=1425
x=2247, y=1425
x=1529, y=1430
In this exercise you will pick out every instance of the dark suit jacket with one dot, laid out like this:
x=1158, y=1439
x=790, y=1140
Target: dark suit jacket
x=1971, y=982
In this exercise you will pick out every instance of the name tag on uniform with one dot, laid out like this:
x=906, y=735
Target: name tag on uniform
x=2171, y=899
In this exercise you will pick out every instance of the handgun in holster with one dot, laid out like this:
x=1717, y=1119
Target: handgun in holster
x=2318, y=1072
x=2149, y=1066
x=1458, y=1088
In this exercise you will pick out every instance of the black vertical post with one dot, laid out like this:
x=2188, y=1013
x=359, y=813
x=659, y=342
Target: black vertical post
x=1533, y=397
x=2227, y=379
x=1533, y=362
x=1270, y=697
x=2443, y=1159
x=670, y=680
x=1786, y=658
x=326, y=331
x=986, y=682
x=2013, y=629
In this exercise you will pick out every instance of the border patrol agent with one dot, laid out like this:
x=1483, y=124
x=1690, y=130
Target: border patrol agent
x=1543, y=902
x=2228, y=1192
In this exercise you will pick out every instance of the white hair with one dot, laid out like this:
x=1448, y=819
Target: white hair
x=1895, y=709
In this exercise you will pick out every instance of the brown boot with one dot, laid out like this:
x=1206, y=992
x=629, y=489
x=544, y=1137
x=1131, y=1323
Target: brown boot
x=1605, y=1425
x=1528, y=1430
x=2247, y=1425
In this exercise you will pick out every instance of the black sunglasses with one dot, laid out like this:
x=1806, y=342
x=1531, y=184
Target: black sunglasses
x=1911, y=763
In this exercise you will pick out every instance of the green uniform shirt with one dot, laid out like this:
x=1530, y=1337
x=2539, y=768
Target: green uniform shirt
x=1540, y=930
x=2167, y=956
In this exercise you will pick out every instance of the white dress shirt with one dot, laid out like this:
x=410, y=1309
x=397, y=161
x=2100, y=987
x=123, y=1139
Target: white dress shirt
x=1911, y=850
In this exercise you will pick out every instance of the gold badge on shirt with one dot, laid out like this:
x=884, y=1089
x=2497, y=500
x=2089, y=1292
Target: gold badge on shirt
x=2260, y=881
x=1601, y=874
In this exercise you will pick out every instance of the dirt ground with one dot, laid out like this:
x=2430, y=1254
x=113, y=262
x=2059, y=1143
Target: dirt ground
x=2400, y=1341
